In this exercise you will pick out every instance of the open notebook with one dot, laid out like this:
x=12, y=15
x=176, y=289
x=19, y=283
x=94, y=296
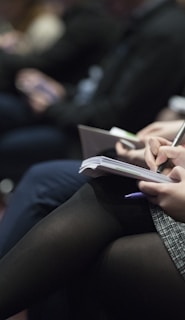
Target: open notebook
x=100, y=165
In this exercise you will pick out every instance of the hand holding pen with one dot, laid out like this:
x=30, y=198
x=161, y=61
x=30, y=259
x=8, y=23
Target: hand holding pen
x=162, y=154
x=158, y=152
x=177, y=141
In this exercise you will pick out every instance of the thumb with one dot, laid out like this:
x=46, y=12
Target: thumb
x=149, y=188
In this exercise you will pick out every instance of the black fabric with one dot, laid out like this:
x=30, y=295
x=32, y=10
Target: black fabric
x=68, y=242
x=145, y=69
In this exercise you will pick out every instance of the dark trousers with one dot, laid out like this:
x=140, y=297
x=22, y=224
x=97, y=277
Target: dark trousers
x=43, y=188
x=26, y=138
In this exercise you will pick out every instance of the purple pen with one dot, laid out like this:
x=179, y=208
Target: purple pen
x=135, y=195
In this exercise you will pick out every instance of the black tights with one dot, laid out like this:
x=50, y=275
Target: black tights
x=95, y=227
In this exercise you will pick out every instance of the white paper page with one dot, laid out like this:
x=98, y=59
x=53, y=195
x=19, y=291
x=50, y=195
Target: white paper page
x=100, y=165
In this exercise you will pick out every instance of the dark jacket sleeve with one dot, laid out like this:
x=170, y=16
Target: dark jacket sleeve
x=132, y=96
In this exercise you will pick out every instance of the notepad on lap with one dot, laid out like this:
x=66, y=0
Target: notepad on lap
x=100, y=165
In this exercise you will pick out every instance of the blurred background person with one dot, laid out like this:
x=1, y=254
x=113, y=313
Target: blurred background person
x=88, y=35
x=30, y=26
x=127, y=88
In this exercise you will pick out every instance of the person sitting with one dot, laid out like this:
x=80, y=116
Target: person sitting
x=47, y=185
x=134, y=245
x=112, y=100
x=89, y=33
x=30, y=26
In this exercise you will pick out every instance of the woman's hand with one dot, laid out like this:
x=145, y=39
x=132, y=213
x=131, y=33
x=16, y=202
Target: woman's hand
x=169, y=196
x=41, y=90
x=135, y=156
x=165, y=129
x=159, y=150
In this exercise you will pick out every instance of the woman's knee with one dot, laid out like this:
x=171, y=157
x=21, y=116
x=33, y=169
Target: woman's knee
x=138, y=272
